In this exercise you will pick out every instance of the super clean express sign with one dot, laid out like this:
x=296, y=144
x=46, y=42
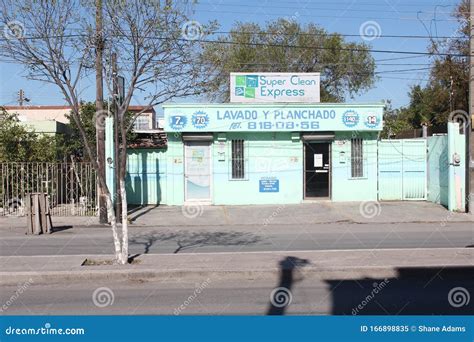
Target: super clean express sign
x=274, y=87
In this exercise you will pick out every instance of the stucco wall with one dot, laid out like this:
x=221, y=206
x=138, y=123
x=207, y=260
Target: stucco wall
x=345, y=188
x=267, y=156
x=157, y=176
x=438, y=169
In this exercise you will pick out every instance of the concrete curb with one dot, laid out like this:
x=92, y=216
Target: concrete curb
x=330, y=264
x=17, y=278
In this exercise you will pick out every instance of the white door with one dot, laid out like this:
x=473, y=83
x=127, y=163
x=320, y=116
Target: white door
x=197, y=171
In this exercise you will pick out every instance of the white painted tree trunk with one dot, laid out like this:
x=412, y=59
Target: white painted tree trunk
x=113, y=224
x=124, y=251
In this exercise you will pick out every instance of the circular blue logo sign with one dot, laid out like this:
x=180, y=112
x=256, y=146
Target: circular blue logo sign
x=372, y=121
x=178, y=122
x=200, y=120
x=350, y=118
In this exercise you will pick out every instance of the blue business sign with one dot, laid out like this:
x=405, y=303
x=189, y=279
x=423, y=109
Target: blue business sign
x=228, y=118
x=269, y=185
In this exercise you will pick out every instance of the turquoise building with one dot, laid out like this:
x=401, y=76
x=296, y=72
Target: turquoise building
x=237, y=154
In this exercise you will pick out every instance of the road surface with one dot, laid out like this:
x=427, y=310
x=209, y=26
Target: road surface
x=415, y=291
x=245, y=238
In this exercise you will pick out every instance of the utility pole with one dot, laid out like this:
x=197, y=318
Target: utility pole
x=99, y=107
x=21, y=96
x=115, y=97
x=470, y=130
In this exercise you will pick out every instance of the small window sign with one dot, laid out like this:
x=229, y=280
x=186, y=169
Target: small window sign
x=318, y=160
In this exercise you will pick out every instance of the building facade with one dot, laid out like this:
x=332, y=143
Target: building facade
x=237, y=154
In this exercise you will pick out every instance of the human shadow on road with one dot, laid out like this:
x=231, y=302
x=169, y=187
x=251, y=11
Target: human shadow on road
x=414, y=291
x=281, y=296
x=188, y=239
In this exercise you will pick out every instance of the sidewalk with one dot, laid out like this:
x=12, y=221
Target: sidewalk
x=305, y=213
x=341, y=263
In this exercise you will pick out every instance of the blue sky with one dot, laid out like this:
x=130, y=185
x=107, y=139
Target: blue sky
x=387, y=17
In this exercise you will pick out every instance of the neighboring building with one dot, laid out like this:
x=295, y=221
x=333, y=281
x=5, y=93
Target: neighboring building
x=53, y=119
x=40, y=113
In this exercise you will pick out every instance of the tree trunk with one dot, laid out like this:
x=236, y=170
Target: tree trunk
x=123, y=197
x=113, y=224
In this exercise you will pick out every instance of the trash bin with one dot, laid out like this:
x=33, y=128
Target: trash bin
x=37, y=214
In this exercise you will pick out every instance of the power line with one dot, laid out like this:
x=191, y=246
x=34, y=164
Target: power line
x=321, y=16
x=305, y=8
x=273, y=45
x=339, y=34
x=359, y=3
x=266, y=33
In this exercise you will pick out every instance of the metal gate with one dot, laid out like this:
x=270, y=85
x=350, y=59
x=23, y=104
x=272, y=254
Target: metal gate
x=71, y=187
x=402, y=166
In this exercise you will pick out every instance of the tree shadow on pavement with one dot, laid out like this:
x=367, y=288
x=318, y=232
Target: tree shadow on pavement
x=135, y=212
x=281, y=296
x=414, y=291
x=56, y=229
x=187, y=239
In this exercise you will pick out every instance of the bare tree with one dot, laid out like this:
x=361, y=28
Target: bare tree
x=156, y=48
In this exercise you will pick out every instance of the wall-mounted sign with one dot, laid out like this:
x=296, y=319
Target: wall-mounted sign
x=258, y=118
x=269, y=184
x=266, y=87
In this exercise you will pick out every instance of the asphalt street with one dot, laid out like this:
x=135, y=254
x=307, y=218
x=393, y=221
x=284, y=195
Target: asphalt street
x=412, y=291
x=67, y=240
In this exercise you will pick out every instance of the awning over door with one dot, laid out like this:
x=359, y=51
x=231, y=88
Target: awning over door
x=317, y=136
x=198, y=137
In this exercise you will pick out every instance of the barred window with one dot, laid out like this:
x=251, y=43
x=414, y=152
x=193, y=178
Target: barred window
x=238, y=159
x=357, y=158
